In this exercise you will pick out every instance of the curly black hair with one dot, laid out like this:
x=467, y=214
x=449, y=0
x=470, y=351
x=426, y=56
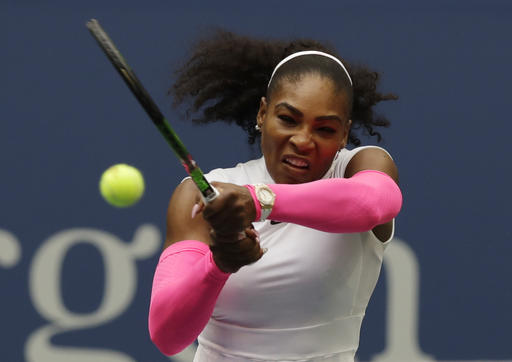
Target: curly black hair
x=227, y=74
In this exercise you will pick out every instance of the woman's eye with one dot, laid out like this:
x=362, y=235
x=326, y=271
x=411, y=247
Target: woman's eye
x=287, y=119
x=327, y=130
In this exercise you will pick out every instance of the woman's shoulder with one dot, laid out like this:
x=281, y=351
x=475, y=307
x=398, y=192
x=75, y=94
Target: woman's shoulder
x=345, y=156
x=351, y=153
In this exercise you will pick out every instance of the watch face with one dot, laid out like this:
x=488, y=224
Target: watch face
x=265, y=196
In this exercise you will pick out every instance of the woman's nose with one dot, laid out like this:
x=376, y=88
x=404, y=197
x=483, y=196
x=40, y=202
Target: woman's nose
x=302, y=141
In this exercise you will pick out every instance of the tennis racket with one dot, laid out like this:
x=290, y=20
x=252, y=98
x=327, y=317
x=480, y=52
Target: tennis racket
x=208, y=192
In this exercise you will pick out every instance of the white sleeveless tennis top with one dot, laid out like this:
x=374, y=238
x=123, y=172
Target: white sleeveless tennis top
x=304, y=300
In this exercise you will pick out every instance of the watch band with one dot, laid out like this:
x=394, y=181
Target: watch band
x=266, y=198
x=265, y=213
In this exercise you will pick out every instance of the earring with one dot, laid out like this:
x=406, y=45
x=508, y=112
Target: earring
x=257, y=127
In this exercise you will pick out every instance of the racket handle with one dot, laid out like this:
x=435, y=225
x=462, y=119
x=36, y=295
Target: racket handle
x=211, y=196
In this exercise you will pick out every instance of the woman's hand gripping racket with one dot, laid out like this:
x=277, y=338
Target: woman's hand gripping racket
x=208, y=192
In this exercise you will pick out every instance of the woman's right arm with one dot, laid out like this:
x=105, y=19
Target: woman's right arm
x=187, y=280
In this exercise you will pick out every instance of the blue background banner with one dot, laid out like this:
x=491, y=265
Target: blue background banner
x=76, y=273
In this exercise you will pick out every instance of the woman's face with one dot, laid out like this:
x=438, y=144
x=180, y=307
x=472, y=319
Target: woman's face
x=302, y=127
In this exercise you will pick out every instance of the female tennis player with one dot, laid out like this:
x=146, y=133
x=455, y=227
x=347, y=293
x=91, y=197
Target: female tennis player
x=281, y=266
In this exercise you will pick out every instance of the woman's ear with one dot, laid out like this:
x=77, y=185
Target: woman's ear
x=346, y=133
x=262, y=112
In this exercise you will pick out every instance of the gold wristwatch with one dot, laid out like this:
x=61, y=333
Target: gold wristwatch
x=266, y=197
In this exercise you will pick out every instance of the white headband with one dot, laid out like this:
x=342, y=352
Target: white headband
x=309, y=52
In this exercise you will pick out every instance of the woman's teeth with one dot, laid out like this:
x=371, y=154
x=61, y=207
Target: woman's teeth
x=297, y=162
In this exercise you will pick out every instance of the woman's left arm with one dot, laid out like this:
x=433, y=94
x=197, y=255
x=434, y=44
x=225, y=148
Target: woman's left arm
x=367, y=198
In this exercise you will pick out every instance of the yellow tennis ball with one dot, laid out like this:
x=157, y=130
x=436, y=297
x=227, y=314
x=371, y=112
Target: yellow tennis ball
x=122, y=185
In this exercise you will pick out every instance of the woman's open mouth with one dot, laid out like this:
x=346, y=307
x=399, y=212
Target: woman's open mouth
x=296, y=162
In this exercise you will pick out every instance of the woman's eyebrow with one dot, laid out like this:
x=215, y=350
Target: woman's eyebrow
x=329, y=118
x=291, y=108
x=298, y=113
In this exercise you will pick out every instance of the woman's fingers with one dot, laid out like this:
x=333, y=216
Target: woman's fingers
x=231, y=254
x=232, y=210
x=253, y=234
x=226, y=238
x=234, y=242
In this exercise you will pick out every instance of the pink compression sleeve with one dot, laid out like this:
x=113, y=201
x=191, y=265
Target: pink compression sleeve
x=186, y=285
x=338, y=205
